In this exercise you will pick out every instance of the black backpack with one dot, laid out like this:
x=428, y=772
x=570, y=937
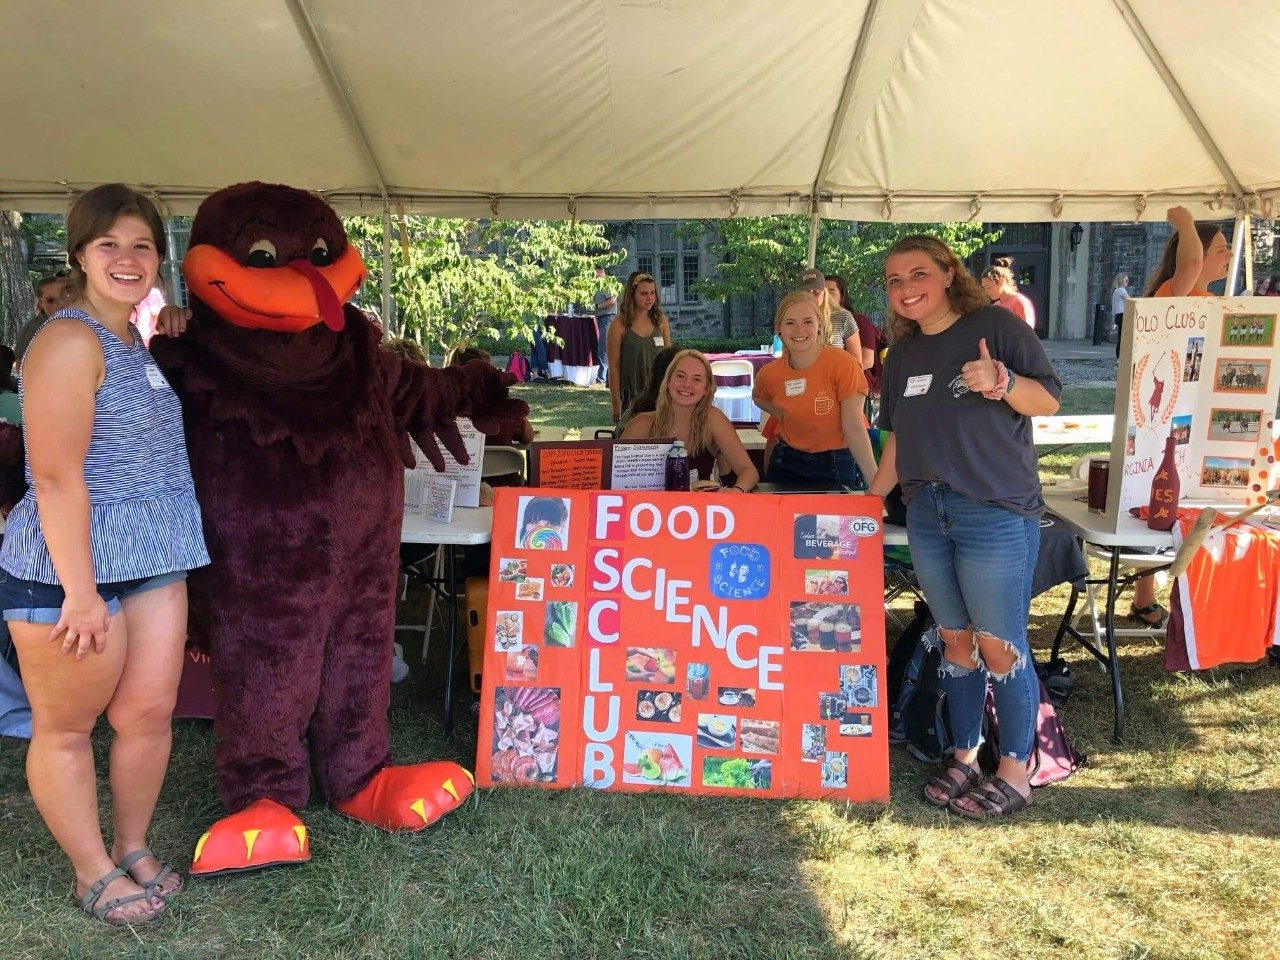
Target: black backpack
x=919, y=717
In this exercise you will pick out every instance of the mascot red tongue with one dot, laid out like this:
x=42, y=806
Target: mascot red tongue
x=298, y=428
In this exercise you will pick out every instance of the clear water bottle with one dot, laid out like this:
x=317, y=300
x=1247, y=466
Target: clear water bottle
x=677, y=475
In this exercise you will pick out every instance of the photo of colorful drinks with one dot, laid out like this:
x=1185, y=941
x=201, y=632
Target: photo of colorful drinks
x=826, y=627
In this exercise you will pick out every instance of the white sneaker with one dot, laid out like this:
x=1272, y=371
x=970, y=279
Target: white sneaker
x=399, y=669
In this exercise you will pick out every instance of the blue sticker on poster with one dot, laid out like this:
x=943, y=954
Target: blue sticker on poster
x=740, y=571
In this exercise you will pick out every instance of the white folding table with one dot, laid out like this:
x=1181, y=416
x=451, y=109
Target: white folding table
x=470, y=527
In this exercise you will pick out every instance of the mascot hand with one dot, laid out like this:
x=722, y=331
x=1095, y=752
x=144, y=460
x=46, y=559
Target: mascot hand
x=483, y=397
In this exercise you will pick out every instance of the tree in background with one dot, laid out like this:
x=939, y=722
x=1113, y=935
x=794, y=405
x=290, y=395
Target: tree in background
x=20, y=235
x=456, y=280
x=754, y=251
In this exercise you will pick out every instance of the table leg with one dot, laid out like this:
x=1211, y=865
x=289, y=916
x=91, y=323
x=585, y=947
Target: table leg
x=1066, y=622
x=1113, y=662
x=451, y=593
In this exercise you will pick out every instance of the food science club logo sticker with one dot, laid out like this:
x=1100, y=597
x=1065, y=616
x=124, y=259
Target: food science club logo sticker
x=740, y=571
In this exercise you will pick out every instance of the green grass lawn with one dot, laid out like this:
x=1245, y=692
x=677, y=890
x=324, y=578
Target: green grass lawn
x=1164, y=847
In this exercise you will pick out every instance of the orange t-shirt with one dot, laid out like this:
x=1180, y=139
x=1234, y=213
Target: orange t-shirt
x=1163, y=291
x=810, y=399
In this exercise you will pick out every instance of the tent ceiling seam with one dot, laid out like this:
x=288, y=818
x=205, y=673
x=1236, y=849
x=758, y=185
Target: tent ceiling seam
x=325, y=65
x=1180, y=98
x=856, y=60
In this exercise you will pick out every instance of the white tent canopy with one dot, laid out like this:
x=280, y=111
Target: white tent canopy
x=917, y=110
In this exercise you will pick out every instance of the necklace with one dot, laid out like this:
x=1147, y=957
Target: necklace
x=950, y=314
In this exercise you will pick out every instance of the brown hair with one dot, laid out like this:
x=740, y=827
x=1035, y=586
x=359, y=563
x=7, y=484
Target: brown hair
x=1001, y=272
x=1169, y=259
x=964, y=294
x=467, y=354
x=843, y=288
x=95, y=212
x=699, y=422
x=626, y=309
x=405, y=349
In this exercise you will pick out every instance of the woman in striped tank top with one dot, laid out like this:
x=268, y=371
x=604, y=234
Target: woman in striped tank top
x=95, y=557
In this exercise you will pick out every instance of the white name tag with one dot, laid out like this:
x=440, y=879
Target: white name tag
x=794, y=388
x=156, y=378
x=659, y=342
x=918, y=386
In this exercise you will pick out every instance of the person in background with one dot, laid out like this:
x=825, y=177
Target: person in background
x=815, y=393
x=1001, y=286
x=961, y=384
x=1275, y=286
x=509, y=433
x=1195, y=256
x=96, y=554
x=841, y=329
x=606, y=310
x=1262, y=288
x=51, y=293
x=838, y=296
x=686, y=411
x=647, y=401
x=1119, y=297
x=406, y=348
x=10, y=405
x=640, y=330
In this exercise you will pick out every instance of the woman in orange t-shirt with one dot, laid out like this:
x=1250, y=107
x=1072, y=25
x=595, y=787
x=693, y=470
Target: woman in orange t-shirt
x=816, y=393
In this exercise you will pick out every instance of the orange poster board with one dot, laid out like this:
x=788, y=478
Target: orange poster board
x=712, y=644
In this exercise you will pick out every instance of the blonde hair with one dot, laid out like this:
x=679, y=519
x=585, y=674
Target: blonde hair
x=626, y=309
x=699, y=420
x=821, y=313
x=965, y=293
x=1116, y=284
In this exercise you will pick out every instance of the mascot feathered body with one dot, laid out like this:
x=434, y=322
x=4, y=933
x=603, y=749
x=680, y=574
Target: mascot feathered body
x=298, y=428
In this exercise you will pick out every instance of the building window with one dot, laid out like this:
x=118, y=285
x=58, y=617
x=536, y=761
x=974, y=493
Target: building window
x=690, y=265
x=674, y=263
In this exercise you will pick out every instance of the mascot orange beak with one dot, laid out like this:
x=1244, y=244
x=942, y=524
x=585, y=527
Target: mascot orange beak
x=289, y=298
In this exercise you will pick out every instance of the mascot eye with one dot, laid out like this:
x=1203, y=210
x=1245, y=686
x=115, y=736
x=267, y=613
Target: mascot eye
x=262, y=254
x=320, y=255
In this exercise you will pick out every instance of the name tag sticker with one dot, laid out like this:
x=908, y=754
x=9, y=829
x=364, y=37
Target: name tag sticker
x=659, y=342
x=156, y=378
x=794, y=388
x=918, y=386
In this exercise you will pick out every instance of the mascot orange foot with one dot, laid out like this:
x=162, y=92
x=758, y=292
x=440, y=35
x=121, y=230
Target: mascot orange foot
x=263, y=834
x=410, y=797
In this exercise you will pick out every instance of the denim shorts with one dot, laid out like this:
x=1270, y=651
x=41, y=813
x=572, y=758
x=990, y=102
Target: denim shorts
x=787, y=464
x=42, y=602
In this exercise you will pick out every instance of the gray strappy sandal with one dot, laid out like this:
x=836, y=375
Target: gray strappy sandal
x=90, y=905
x=128, y=861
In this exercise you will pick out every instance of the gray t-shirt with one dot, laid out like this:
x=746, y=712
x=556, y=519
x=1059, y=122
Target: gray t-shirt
x=981, y=448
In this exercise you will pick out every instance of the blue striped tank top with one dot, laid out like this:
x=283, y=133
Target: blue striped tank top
x=144, y=519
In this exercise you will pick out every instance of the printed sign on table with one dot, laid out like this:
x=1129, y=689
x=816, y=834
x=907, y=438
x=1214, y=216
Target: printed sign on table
x=691, y=643
x=1200, y=370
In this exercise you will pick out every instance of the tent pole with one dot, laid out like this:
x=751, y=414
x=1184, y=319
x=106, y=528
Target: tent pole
x=815, y=221
x=1248, y=254
x=1237, y=252
x=386, y=268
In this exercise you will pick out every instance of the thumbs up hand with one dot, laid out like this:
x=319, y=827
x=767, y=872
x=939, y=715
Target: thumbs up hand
x=981, y=375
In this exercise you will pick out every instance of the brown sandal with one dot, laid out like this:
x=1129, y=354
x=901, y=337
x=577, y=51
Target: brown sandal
x=950, y=785
x=998, y=797
x=90, y=904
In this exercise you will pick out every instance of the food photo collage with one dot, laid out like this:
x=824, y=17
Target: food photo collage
x=689, y=718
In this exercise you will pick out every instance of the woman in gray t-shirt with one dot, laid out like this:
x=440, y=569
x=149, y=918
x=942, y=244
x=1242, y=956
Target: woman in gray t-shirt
x=960, y=386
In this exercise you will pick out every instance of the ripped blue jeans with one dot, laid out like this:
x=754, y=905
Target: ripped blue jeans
x=974, y=562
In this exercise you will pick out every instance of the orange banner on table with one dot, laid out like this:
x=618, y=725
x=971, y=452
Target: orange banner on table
x=713, y=643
